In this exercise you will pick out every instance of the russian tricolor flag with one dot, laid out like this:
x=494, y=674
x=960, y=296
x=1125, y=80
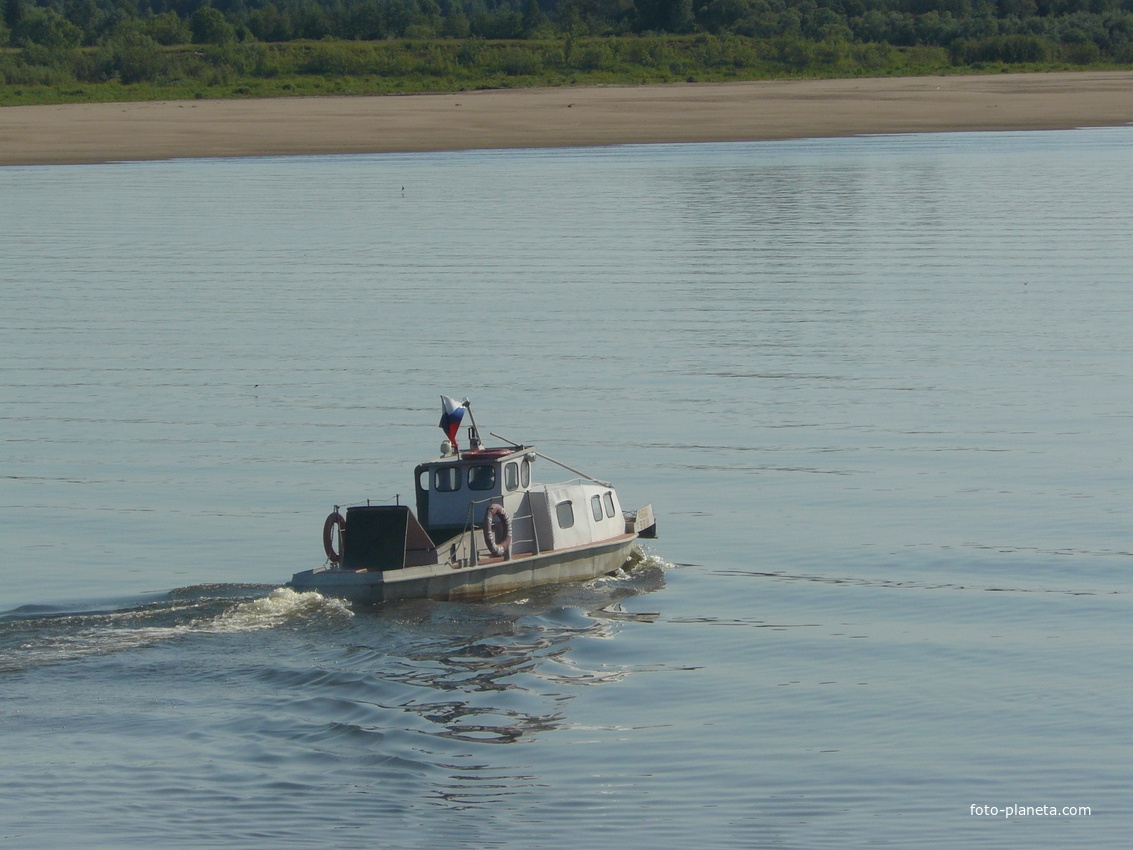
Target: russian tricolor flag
x=452, y=412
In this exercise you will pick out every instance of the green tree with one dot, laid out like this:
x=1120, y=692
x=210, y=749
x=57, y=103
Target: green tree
x=665, y=15
x=46, y=27
x=596, y=17
x=167, y=28
x=86, y=16
x=504, y=22
x=13, y=13
x=209, y=26
x=132, y=57
x=455, y=24
x=426, y=21
x=269, y=23
x=311, y=21
x=533, y=18
x=719, y=16
x=1081, y=52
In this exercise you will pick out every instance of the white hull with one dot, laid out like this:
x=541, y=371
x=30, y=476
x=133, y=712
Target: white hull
x=491, y=577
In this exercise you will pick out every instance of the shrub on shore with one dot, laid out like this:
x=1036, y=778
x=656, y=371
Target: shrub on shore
x=135, y=60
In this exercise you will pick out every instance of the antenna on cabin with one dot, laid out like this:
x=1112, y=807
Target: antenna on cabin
x=473, y=432
x=556, y=462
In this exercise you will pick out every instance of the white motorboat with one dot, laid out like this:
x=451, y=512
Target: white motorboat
x=482, y=527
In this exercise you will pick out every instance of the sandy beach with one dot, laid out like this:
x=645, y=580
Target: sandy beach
x=562, y=117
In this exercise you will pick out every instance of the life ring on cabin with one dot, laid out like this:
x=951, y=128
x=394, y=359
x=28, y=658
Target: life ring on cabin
x=497, y=545
x=485, y=454
x=334, y=520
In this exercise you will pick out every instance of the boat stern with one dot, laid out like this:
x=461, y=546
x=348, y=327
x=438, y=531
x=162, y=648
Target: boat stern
x=642, y=522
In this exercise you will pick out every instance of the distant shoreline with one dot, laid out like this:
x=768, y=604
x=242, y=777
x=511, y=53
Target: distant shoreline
x=562, y=117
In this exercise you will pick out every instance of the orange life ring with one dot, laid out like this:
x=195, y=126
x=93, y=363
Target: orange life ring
x=497, y=545
x=335, y=519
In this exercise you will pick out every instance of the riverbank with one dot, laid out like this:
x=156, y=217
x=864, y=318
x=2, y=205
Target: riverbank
x=562, y=117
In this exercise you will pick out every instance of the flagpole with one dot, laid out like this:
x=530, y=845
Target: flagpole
x=474, y=436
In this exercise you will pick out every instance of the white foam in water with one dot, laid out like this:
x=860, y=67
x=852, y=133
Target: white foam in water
x=278, y=607
x=649, y=559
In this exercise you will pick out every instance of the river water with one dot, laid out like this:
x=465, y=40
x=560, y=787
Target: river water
x=876, y=389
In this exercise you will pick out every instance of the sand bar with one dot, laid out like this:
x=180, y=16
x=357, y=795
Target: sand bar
x=562, y=117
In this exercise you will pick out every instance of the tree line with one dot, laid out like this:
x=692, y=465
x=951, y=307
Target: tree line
x=457, y=42
x=1108, y=24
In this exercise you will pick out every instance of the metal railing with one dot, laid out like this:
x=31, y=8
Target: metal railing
x=469, y=544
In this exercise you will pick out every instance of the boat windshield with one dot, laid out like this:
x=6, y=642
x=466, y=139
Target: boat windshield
x=481, y=477
x=446, y=479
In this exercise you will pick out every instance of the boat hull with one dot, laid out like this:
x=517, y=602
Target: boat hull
x=487, y=579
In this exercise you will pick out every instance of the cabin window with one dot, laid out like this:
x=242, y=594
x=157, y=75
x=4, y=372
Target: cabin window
x=481, y=477
x=446, y=479
x=565, y=513
x=609, y=504
x=511, y=476
x=596, y=507
x=525, y=474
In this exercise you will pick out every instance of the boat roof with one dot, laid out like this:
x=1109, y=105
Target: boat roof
x=484, y=455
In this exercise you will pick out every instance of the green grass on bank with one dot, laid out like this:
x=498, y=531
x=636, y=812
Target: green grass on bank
x=142, y=70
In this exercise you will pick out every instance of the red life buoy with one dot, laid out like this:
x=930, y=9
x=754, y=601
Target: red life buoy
x=498, y=544
x=334, y=520
x=485, y=454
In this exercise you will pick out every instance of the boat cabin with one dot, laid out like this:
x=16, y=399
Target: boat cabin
x=487, y=490
x=455, y=493
x=454, y=490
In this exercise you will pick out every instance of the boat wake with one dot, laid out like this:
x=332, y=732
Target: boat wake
x=32, y=636
x=36, y=635
x=278, y=608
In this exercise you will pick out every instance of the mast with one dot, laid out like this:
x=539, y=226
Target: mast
x=474, y=442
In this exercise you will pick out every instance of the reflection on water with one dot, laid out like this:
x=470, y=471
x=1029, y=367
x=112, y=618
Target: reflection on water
x=400, y=697
x=467, y=653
